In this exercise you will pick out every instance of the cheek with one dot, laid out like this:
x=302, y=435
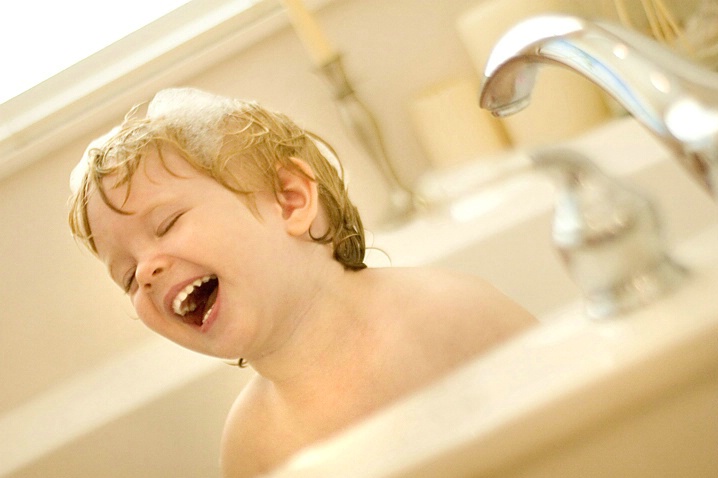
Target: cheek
x=147, y=313
x=239, y=232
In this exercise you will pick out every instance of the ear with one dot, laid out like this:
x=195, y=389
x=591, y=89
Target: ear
x=298, y=197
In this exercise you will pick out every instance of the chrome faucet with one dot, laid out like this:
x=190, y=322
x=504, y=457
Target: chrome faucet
x=607, y=235
x=677, y=100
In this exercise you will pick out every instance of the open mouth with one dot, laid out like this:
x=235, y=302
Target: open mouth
x=194, y=303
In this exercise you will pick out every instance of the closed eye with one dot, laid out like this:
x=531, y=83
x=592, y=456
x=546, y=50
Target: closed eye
x=166, y=225
x=129, y=280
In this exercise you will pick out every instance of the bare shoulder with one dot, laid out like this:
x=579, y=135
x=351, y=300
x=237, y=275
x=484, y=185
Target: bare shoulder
x=460, y=310
x=474, y=297
x=242, y=453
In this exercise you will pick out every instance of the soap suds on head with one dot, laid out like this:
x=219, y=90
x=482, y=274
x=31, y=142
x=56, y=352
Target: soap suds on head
x=196, y=113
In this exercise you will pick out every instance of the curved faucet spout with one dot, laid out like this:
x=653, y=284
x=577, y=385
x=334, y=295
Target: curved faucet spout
x=677, y=100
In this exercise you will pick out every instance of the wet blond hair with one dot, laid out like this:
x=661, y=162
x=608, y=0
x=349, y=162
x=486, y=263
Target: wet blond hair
x=237, y=143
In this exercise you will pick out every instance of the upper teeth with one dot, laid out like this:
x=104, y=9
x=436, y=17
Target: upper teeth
x=179, y=306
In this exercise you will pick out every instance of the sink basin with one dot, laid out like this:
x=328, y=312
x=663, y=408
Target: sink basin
x=635, y=395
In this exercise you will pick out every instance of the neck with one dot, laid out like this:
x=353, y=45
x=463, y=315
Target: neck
x=327, y=332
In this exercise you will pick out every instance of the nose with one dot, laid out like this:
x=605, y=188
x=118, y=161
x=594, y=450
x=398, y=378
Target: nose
x=149, y=270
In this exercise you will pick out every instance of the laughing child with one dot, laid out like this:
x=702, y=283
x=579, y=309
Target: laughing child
x=231, y=230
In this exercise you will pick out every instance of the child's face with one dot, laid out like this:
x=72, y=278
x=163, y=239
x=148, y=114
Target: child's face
x=185, y=228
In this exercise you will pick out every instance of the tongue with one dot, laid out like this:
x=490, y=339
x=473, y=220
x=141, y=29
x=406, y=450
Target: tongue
x=194, y=318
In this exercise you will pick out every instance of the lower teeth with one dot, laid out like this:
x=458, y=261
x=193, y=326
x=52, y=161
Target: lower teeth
x=206, y=315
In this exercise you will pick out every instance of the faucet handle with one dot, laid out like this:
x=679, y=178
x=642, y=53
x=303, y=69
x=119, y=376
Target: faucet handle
x=608, y=236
